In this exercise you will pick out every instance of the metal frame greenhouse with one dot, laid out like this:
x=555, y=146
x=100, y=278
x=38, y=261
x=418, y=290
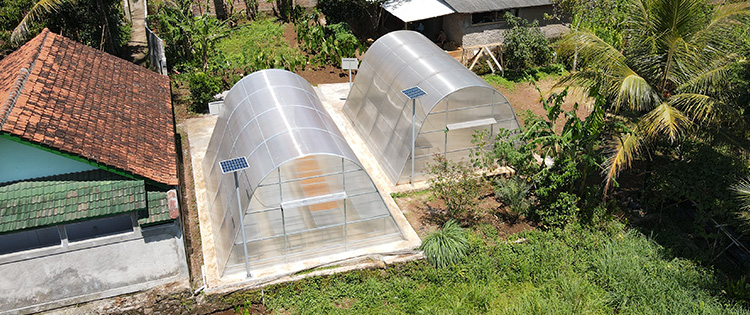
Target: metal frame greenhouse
x=304, y=194
x=457, y=102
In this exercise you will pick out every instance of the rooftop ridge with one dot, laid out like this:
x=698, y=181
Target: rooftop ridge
x=23, y=76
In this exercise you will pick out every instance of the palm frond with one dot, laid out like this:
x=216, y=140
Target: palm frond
x=709, y=80
x=636, y=93
x=595, y=51
x=704, y=108
x=621, y=152
x=742, y=190
x=665, y=120
x=39, y=10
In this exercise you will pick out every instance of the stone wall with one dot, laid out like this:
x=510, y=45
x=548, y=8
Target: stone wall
x=489, y=33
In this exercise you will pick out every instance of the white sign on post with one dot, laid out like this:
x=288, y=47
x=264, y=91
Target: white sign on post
x=349, y=64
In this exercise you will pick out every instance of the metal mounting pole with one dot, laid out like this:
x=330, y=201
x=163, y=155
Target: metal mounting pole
x=350, y=78
x=242, y=223
x=413, y=137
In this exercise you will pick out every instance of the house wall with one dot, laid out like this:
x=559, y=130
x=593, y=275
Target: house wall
x=46, y=278
x=19, y=161
x=482, y=34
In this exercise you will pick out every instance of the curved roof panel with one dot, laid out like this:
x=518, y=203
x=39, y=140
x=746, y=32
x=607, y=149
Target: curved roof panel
x=271, y=117
x=381, y=113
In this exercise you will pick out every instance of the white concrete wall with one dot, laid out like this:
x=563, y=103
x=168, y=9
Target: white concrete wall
x=19, y=161
x=43, y=279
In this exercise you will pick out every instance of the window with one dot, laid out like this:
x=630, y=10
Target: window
x=99, y=227
x=25, y=240
x=491, y=16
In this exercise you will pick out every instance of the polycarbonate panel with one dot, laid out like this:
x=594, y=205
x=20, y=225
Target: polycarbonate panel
x=297, y=156
x=382, y=115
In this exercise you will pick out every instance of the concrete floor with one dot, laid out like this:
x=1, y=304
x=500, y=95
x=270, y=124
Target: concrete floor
x=199, y=134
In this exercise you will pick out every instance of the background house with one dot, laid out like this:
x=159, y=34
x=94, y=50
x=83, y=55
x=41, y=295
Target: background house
x=88, y=177
x=469, y=22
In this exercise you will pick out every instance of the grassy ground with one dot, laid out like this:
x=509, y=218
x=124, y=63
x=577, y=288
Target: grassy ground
x=571, y=271
x=260, y=45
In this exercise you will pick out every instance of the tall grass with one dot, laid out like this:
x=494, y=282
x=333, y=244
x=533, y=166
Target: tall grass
x=447, y=246
x=570, y=271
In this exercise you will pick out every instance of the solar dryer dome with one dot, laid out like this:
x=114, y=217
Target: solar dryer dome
x=304, y=194
x=457, y=102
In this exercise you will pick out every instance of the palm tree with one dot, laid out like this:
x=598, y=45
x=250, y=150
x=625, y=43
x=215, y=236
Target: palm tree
x=666, y=79
x=35, y=14
x=742, y=190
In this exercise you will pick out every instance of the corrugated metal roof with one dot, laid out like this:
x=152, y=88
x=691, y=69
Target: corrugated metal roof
x=471, y=6
x=38, y=203
x=415, y=10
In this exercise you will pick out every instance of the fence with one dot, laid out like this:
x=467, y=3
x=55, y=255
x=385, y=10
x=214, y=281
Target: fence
x=156, y=52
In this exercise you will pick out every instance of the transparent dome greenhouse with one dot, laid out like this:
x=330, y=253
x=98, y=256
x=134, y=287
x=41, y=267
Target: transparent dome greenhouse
x=457, y=102
x=304, y=194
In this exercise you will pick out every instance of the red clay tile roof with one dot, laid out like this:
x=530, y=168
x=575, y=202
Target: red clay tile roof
x=82, y=101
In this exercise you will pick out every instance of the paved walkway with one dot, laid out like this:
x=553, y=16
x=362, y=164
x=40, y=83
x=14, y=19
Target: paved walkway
x=138, y=44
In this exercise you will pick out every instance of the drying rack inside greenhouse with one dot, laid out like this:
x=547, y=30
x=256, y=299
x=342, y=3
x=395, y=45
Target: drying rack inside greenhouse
x=456, y=102
x=304, y=193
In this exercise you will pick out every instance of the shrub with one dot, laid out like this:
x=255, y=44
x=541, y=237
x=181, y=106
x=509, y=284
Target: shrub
x=202, y=87
x=512, y=192
x=456, y=184
x=524, y=45
x=446, y=246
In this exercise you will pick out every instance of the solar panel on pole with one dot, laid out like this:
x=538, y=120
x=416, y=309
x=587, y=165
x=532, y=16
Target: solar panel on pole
x=233, y=165
x=413, y=93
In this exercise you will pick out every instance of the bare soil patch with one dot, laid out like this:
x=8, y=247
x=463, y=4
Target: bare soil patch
x=525, y=97
x=425, y=213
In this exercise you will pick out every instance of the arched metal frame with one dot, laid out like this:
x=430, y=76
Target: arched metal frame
x=305, y=193
x=457, y=103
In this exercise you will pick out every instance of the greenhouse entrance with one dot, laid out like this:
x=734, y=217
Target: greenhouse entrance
x=304, y=195
x=456, y=103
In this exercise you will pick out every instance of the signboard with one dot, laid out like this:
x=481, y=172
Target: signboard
x=349, y=63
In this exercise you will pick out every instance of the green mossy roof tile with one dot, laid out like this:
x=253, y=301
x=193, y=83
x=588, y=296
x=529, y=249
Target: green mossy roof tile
x=56, y=200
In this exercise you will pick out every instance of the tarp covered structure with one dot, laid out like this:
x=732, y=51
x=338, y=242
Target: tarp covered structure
x=305, y=193
x=457, y=103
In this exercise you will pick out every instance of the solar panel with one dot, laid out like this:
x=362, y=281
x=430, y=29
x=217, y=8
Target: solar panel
x=233, y=165
x=413, y=92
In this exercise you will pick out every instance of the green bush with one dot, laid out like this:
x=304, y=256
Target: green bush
x=512, y=192
x=259, y=45
x=326, y=44
x=447, y=246
x=524, y=45
x=455, y=184
x=202, y=87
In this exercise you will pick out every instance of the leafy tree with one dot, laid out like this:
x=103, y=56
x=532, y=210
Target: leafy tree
x=666, y=79
x=190, y=38
x=524, y=45
x=561, y=190
x=97, y=23
x=362, y=15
